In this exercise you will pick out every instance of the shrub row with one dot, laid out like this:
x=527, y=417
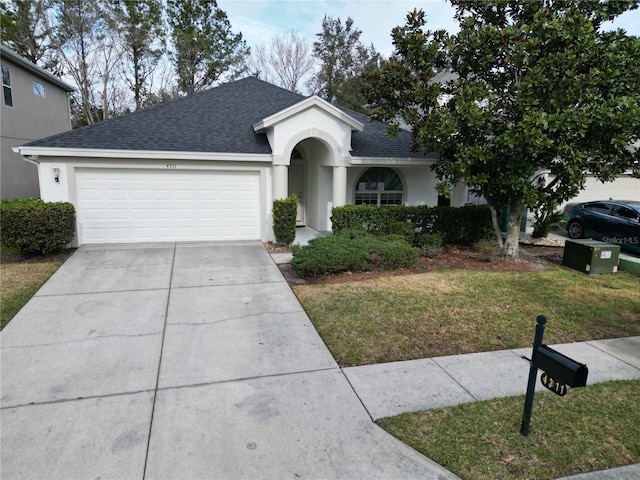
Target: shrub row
x=352, y=250
x=464, y=225
x=32, y=225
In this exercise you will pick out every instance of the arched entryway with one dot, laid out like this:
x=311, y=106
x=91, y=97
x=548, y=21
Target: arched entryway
x=311, y=178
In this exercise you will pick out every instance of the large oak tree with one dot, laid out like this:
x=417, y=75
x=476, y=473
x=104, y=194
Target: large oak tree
x=537, y=89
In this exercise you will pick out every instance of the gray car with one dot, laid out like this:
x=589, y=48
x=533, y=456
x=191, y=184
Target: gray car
x=611, y=221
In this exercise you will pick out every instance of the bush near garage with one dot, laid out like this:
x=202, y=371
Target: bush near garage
x=464, y=225
x=353, y=251
x=284, y=219
x=34, y=226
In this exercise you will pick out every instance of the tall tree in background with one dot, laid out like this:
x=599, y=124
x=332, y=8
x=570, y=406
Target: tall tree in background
x=140, y=24
x=537, y=88
x=81, y=27
x=343, y=60
x=286, y=63
x=205, y=48
x=26, y=29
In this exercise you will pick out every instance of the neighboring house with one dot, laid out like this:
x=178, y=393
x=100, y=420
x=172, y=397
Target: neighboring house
x=35, y=104
x=208, y=166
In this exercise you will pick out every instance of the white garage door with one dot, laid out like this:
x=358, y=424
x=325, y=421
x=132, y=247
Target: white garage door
x=125, y=206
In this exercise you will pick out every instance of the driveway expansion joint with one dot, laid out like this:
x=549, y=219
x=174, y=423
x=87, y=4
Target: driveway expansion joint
x=77, y=399
x=99, y=292
x=155, y=392
x=81, y=340
x=231, y=319
x=245, y=379
x=357, y=394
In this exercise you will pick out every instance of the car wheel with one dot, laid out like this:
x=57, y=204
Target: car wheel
x=575, y=230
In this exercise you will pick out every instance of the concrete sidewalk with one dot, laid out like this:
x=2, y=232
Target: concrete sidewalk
x=185, y=361
x=389, y=389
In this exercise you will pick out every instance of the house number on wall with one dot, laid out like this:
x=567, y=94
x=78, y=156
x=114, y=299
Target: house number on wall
x=171, y=165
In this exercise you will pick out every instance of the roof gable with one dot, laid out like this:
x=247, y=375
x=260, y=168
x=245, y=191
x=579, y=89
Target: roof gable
x=303, y=105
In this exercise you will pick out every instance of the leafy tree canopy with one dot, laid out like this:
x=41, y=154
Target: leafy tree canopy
x=140, y=23
x=26, y=28
x=205, y=48
x=530, y=87
x=343, y=60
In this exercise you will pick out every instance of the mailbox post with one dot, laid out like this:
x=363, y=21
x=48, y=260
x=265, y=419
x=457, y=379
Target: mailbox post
x=560, y=372
x=541, y=321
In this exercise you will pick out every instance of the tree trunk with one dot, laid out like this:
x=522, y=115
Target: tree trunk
x=496, y=225
x=511, y=247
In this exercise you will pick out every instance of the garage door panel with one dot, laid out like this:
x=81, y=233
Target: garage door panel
x=119, y=205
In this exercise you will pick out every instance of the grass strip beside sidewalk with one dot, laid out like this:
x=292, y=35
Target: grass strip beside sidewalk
x=589, y=429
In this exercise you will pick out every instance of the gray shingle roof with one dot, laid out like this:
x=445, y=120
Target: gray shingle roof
x=218, y=120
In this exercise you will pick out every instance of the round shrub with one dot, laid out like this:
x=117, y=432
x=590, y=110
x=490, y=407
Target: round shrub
x=35, y=226
x=354, y=251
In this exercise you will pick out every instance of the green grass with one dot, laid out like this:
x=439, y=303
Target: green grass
x=19, y=281
x=451, y=312
x=591, y=428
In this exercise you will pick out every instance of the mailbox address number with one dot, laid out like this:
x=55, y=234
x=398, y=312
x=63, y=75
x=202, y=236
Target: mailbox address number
x=553, y=385
x=171, y=165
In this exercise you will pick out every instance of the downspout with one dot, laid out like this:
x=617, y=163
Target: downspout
x=69, y=109
x=27, y=158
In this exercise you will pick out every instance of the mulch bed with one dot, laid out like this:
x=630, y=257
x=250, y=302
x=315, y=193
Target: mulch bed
x=14, y=257
x=533, y=258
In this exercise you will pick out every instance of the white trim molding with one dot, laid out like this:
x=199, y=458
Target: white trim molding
x=392, y=161
x=27, y=151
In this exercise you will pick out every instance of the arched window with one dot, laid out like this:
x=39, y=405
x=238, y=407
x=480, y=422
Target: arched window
x=379, y=186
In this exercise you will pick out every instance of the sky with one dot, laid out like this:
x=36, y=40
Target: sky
x=260, y=20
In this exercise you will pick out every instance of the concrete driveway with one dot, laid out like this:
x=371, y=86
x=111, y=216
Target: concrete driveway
x=181, y=361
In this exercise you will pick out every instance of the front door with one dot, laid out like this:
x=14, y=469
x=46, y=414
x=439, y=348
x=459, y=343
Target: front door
x=297, y=185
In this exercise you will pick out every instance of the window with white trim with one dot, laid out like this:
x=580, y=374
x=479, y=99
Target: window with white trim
x=6, y=87
x=379, y=186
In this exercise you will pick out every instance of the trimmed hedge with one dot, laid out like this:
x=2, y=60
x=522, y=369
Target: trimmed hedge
x=464, y=225
x=284, y=219
x=31, y=225
x=352, y=250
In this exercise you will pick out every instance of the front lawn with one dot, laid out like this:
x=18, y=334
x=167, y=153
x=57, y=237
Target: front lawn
x=451, y=312
x=591, y=428
x=21, y=277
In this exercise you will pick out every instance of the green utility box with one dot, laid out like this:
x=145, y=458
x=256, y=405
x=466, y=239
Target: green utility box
x=591, y=256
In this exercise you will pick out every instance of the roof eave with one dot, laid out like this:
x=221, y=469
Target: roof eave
x=32, y=151
x=394, y=161
x=33, y=68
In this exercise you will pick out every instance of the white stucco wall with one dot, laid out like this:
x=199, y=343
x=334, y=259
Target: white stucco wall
x=65, y=189
x=623, y=188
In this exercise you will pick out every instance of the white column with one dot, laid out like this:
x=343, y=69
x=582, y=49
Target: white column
x=280, y=182
x=339, y=186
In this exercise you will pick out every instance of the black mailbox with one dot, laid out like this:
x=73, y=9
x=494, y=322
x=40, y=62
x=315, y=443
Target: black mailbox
x=562, y=368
